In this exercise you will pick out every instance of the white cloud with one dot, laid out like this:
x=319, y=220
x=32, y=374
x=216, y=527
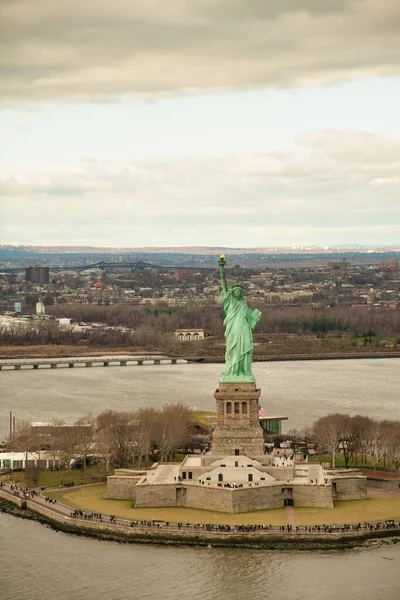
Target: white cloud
x=313, y=194
x=52, y=49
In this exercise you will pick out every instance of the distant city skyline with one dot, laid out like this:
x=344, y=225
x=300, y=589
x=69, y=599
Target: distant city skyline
x=240, y=124
x=200, y=250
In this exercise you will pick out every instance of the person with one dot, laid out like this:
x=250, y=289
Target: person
x=239, y=324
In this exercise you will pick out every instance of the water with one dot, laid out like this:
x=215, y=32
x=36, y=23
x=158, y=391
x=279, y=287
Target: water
x=40, y=564
x=303, y=390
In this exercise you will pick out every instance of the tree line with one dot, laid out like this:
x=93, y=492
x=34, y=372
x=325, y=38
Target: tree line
x=122, y=439
x=375, y=441
x=114, y=438
x=152, y=328
x=276, y=319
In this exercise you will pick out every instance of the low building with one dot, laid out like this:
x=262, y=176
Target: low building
x=189, y=335
x=272, y=425
x=18, y=461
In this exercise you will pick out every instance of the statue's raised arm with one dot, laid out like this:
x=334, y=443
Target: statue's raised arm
x=239, y=323
x=222, y=264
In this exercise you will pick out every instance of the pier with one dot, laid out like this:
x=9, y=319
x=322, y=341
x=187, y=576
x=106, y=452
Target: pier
x=88, y=361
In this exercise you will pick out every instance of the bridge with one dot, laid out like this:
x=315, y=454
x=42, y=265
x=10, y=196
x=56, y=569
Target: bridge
x=88, y=361
x=103, y=265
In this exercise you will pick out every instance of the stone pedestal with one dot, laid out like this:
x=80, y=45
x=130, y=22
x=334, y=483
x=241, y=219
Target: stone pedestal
x=238, y=428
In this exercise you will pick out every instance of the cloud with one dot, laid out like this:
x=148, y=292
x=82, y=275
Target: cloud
x=51, y=49
x=313, y=194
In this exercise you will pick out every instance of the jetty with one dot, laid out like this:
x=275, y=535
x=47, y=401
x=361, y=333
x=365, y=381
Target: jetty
x=88, y=361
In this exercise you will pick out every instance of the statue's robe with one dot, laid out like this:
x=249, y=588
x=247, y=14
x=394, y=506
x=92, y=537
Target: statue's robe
x=239, y=324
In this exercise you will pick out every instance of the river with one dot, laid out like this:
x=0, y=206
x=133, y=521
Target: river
x=40, y=564
x=301, y=390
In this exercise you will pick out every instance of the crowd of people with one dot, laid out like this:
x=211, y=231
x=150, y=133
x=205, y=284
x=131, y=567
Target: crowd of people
x=50, y=500
x=324, y=528
x=81, y=514
x=212, y=527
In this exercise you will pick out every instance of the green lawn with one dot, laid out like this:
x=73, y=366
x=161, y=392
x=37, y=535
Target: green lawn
x=350, y=511
x=200, y=416
x=55, y=478
x=179, y=457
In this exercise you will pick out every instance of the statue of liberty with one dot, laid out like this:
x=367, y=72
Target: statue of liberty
x=239, y=323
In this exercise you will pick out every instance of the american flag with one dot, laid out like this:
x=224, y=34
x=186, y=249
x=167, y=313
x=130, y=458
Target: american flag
x=261, y=411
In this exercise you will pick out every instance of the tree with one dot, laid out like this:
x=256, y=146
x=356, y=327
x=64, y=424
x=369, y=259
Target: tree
x=118, y=429
x=328, y=434
x=105, y=448
x=391, y=433
x=85, y=437
x=350, y=435
x=375, y=442
x=143, y=435
x=295, y=436
x=173, y=429
x=25, y=439
x=58, y=443
x=32, y=473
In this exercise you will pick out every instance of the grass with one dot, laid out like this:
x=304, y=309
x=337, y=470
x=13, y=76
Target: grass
x=54, y=478
x=200, y=416
x=179, y=457
x=92, y=499
x=350, y=511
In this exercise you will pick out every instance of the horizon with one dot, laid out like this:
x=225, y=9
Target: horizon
x=201, y=250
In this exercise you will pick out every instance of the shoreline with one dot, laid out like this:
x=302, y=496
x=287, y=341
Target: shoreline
x=218, y=359
x=26, y=509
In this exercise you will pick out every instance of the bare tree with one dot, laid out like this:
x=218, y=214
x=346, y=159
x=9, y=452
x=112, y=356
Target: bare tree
x=351, y=430
x=25, y=439
x=328, y=434
x=295, y=436
x=85, y=435
x=105, y=448
x=174, y=429
x=374, y=443
x=143, y=435
x=55, y=442
x=32, y=472
x=119, y=427
x=392, y=437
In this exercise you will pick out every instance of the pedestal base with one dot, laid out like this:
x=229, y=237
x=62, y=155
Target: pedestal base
x=238, y=428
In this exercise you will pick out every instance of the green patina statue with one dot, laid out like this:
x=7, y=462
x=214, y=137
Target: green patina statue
x=239, y=323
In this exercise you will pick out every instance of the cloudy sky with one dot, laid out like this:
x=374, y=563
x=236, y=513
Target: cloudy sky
x=200, y=122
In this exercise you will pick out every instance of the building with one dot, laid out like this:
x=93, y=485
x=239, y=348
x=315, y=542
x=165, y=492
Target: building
x=44, y=429
x=189, y=335
x=40, y=308
x=37, y=274
x=272, y=425
x=339, y=268
x=18, y=461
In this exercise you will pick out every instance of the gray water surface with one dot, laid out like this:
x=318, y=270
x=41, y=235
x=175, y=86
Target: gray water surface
x=301, y=390
x=40, y=564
